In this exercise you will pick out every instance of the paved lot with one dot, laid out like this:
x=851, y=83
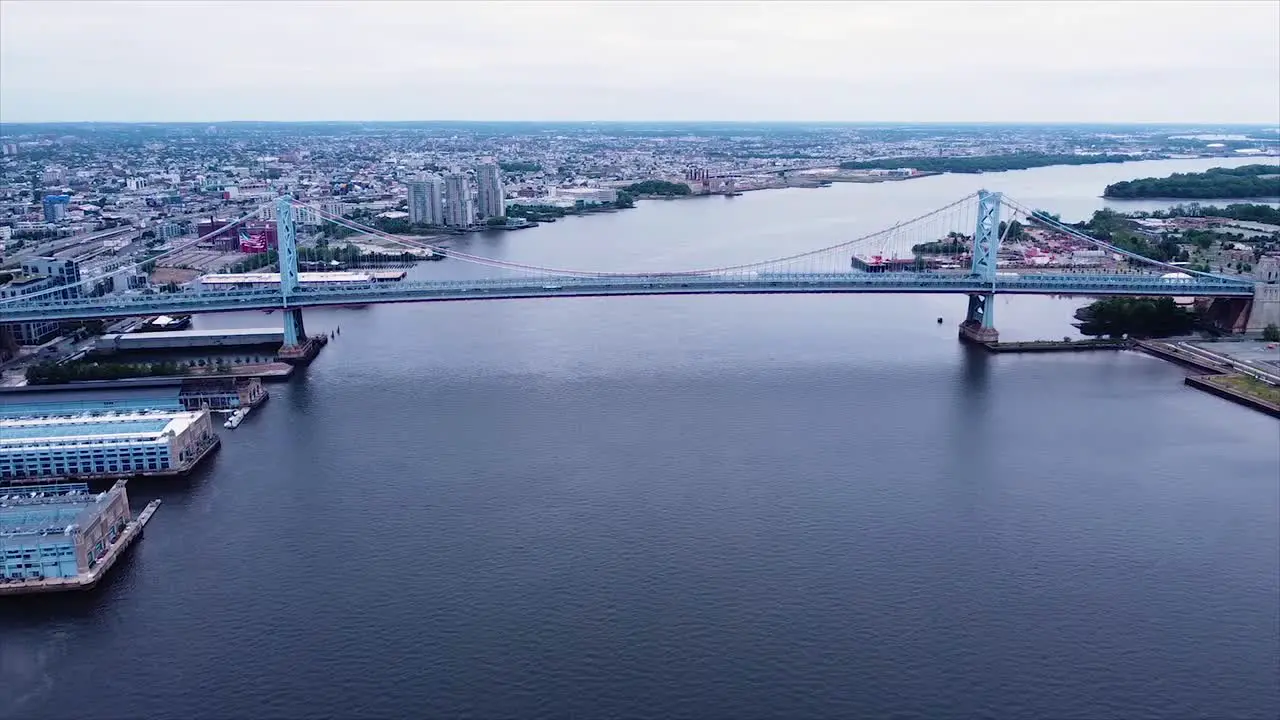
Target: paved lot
x=1266, y=356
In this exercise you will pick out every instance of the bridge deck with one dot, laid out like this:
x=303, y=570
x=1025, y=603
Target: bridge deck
x=604, y=285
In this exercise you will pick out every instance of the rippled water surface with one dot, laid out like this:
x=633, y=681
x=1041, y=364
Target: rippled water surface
x=702, y=507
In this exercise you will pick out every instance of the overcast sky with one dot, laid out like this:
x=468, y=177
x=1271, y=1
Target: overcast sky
x=782, y=60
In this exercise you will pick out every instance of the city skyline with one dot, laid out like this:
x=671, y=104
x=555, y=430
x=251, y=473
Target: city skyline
x=565, y=62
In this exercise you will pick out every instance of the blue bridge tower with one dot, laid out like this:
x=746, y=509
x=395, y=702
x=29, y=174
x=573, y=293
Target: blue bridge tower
x=979, y=322
x=297, y=346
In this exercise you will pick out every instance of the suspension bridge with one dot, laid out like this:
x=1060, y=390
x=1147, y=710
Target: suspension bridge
x=893, y=260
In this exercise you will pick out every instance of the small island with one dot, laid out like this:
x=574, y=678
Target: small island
x=983, y=163
x=1247, y=181
x=1136, y=317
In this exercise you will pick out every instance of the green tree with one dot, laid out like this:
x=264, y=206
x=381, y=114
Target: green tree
x=1271, y=333
x=1248, y=181
x=982, y=163
x=658, y=187
x=1202, y=239
x=519, y=166
x=395, y=226
x=1011, y=232
x=1135, y=317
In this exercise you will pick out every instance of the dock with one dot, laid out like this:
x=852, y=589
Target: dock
x=1219, y=385
x=1041, y=346
x=91, y=578
x=1217, y=375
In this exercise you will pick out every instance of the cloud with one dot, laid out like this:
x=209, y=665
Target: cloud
x=1045, y=61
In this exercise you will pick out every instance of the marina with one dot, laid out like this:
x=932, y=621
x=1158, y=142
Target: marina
x=237, y=417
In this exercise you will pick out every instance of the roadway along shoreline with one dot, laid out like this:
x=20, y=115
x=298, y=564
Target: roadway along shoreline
x=1212, y=375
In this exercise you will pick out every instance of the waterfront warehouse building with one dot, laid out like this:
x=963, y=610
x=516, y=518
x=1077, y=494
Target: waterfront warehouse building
x=58, y=531
x=110, y=445
x=102, y=397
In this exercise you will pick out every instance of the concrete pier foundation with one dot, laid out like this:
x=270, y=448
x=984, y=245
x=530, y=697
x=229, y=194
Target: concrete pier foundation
x=978, y=334
x=979, y=321
x=302, y=353
x=1265, y=309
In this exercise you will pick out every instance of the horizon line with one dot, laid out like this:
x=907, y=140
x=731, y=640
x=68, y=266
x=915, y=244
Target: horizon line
x=1232, y=123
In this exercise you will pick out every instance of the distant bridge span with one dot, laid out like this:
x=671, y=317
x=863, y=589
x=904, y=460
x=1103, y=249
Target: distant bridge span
x=549, y=287
x=827, y=270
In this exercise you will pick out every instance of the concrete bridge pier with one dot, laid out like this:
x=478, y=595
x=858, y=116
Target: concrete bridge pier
x=298, y=349
x=979, y=321
x=1265, y=308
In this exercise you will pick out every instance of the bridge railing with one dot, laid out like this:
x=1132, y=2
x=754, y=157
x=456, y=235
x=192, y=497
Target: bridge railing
x=955, y=282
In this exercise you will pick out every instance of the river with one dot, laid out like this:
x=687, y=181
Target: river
x=702, y=507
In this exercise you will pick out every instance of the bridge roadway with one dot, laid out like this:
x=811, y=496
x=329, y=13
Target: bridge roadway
x=112, y=306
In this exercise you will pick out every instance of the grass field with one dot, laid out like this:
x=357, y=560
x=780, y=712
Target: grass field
x=1248, y=385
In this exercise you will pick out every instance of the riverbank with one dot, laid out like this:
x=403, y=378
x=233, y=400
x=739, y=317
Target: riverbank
x=1067, y=345
x=1240, y=389
x=1221, y=377
x=845, y=176
x=736, y=391
x=1258, y=182
x=1225, y=378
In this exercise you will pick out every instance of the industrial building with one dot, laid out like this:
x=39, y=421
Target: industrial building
x=879, y=263
x=244, y=281
x=55, y=207
x=19, y=402
x=106, y=397
x=227, y=238
x=588, y=196
x=187, y=339
x=59, y=531
x=130, y=443
x=222, y=394
x=251, y=236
